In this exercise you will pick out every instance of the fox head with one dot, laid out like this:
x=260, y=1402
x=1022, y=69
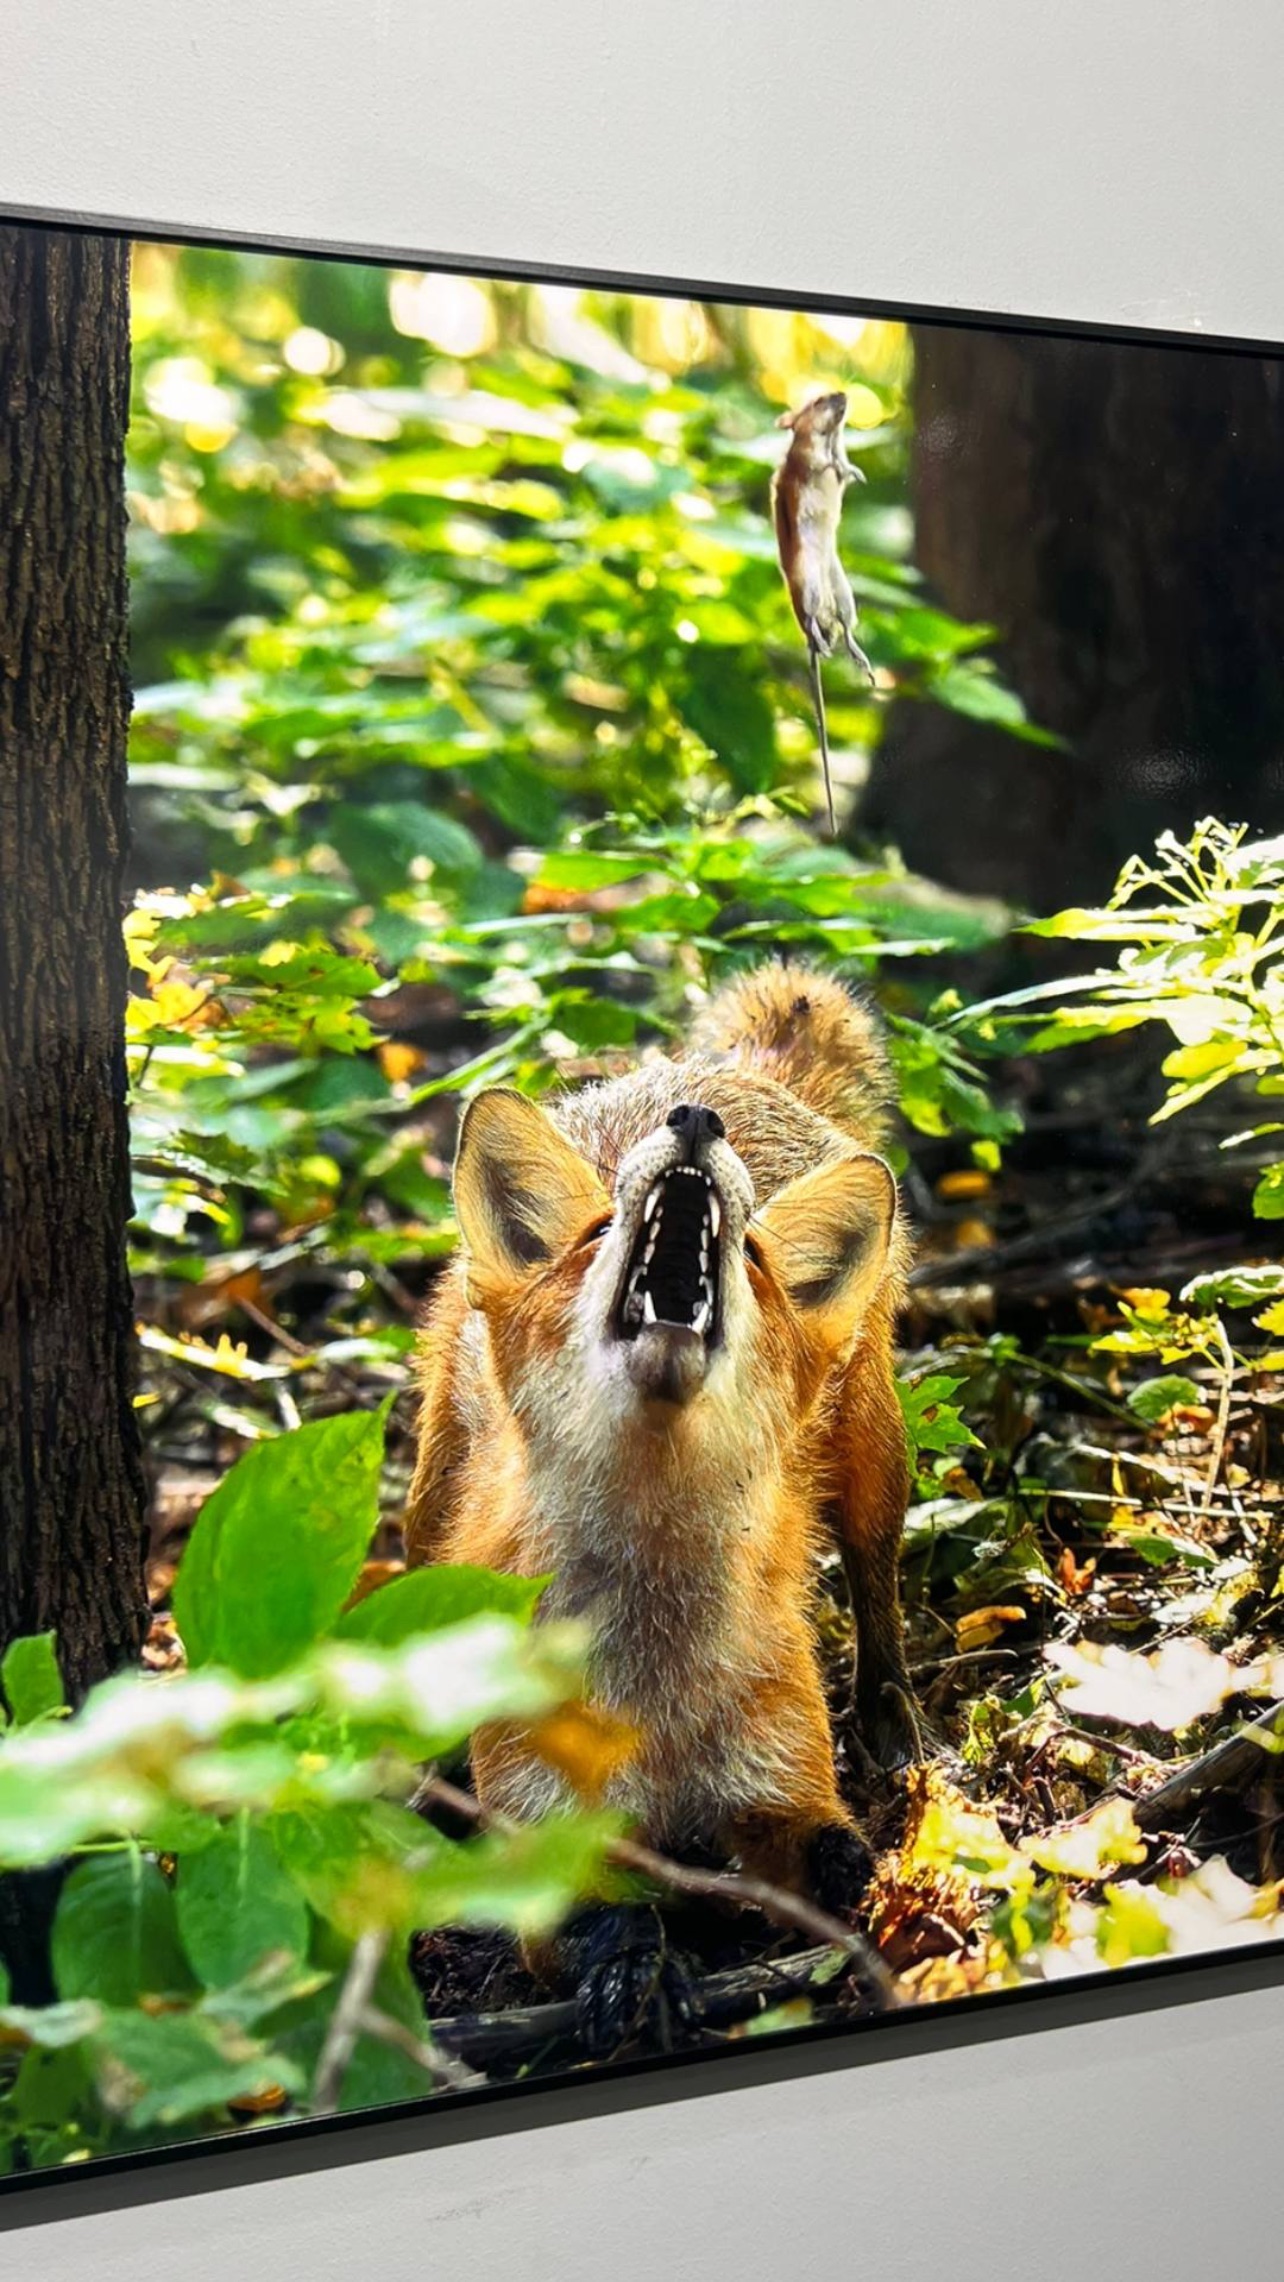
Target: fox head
x=668, y=1302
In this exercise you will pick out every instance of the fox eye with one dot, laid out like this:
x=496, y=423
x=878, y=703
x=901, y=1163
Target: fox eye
x=594, y=1234
x=753, y=1252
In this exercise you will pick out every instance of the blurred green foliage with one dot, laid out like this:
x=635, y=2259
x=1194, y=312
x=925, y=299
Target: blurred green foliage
x=469, y=696
x=242, y=1834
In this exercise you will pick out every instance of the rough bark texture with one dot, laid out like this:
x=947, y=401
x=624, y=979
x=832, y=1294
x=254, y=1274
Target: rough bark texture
x=71, y=1489
x=1116, y=511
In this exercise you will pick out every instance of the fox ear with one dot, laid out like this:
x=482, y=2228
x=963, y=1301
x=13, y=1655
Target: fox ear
x=521, y=1191
x=786, y=419
x=829, y=1234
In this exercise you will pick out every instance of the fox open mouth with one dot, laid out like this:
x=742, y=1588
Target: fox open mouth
x=672, y=1277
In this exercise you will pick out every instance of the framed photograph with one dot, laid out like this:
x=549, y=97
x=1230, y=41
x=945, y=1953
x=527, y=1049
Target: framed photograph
x=641, y=1044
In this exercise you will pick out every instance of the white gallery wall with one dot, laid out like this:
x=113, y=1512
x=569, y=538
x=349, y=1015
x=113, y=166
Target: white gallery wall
x=1117, y=160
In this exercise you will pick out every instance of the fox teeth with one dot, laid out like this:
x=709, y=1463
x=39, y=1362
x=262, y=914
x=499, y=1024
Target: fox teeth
x=701, y=1316
x=715, y=1211
x=648, y=1308
x=652, y=1201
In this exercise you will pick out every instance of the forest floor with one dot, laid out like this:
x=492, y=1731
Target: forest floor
x=1079, y=1517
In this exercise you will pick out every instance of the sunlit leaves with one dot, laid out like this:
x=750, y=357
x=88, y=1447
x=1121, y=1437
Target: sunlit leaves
x=142, y=1748
x=1198, y=950
x=1179, y=1684
x=1092, y=1847
x=404, y=616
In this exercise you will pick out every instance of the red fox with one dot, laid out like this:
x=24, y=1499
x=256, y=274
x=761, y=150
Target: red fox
x=660, y=1369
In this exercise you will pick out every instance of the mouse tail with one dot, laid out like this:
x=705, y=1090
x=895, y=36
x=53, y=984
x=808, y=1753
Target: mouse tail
x=818, y=695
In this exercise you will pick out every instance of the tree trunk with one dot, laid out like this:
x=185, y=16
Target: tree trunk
x=71, y=1486
x=1116, y=512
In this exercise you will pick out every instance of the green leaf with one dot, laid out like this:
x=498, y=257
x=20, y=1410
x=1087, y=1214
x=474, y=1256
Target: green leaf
x=584, y=869
x=30, y=1678
x=1268, y=1196
x=279, y=1545
x=51, y=2027
x=114, y=1933
x=1154, y=1399
x=976, y=691
x=177, y=2065
x=51, y=2085
x=380, y=842
x=237, y=1906
x=1129, y=1925
x=524, y=1880
x=1159, y=1547
x=1236, y=1287
x=932, y=1421
x=427, y=1600
x=354, y=1861
x=729, y=712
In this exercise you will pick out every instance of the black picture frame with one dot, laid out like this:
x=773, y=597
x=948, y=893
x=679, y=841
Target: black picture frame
x=447, y=2117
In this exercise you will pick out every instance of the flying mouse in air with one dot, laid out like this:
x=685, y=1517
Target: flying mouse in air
x=807, y=504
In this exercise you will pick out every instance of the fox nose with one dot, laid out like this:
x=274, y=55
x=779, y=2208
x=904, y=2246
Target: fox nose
x=696, y=1127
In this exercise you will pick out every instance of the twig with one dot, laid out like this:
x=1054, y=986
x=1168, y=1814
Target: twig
x=936, y=1667
x=443, y=2067
x=722, y=1998
x=1228, y=1765
x=1223, y=1417
x=775, y=1902
x=346, y=2022
x=302, y=1353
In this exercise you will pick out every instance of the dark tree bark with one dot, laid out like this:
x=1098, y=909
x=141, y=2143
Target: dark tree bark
x=1117, y=512
x=71, y=1487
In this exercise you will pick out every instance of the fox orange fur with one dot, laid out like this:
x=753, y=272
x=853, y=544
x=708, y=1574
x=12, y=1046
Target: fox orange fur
x=661, y=1369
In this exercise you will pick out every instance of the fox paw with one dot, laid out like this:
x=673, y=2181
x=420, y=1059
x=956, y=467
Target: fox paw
x=839, y=1868
x=891, y=1729
x=633, y=1990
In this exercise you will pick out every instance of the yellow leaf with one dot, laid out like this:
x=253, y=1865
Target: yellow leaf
x=1272, y=1317
x=182, y=1005
x=973, y=1235
x=1150, y=1303
x=1091, y=1848
x=953, y=1834
x=231, y=1362
x=982, y=1625
x=399, y=1062
x=963, y=1184
x=1130, y=1925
